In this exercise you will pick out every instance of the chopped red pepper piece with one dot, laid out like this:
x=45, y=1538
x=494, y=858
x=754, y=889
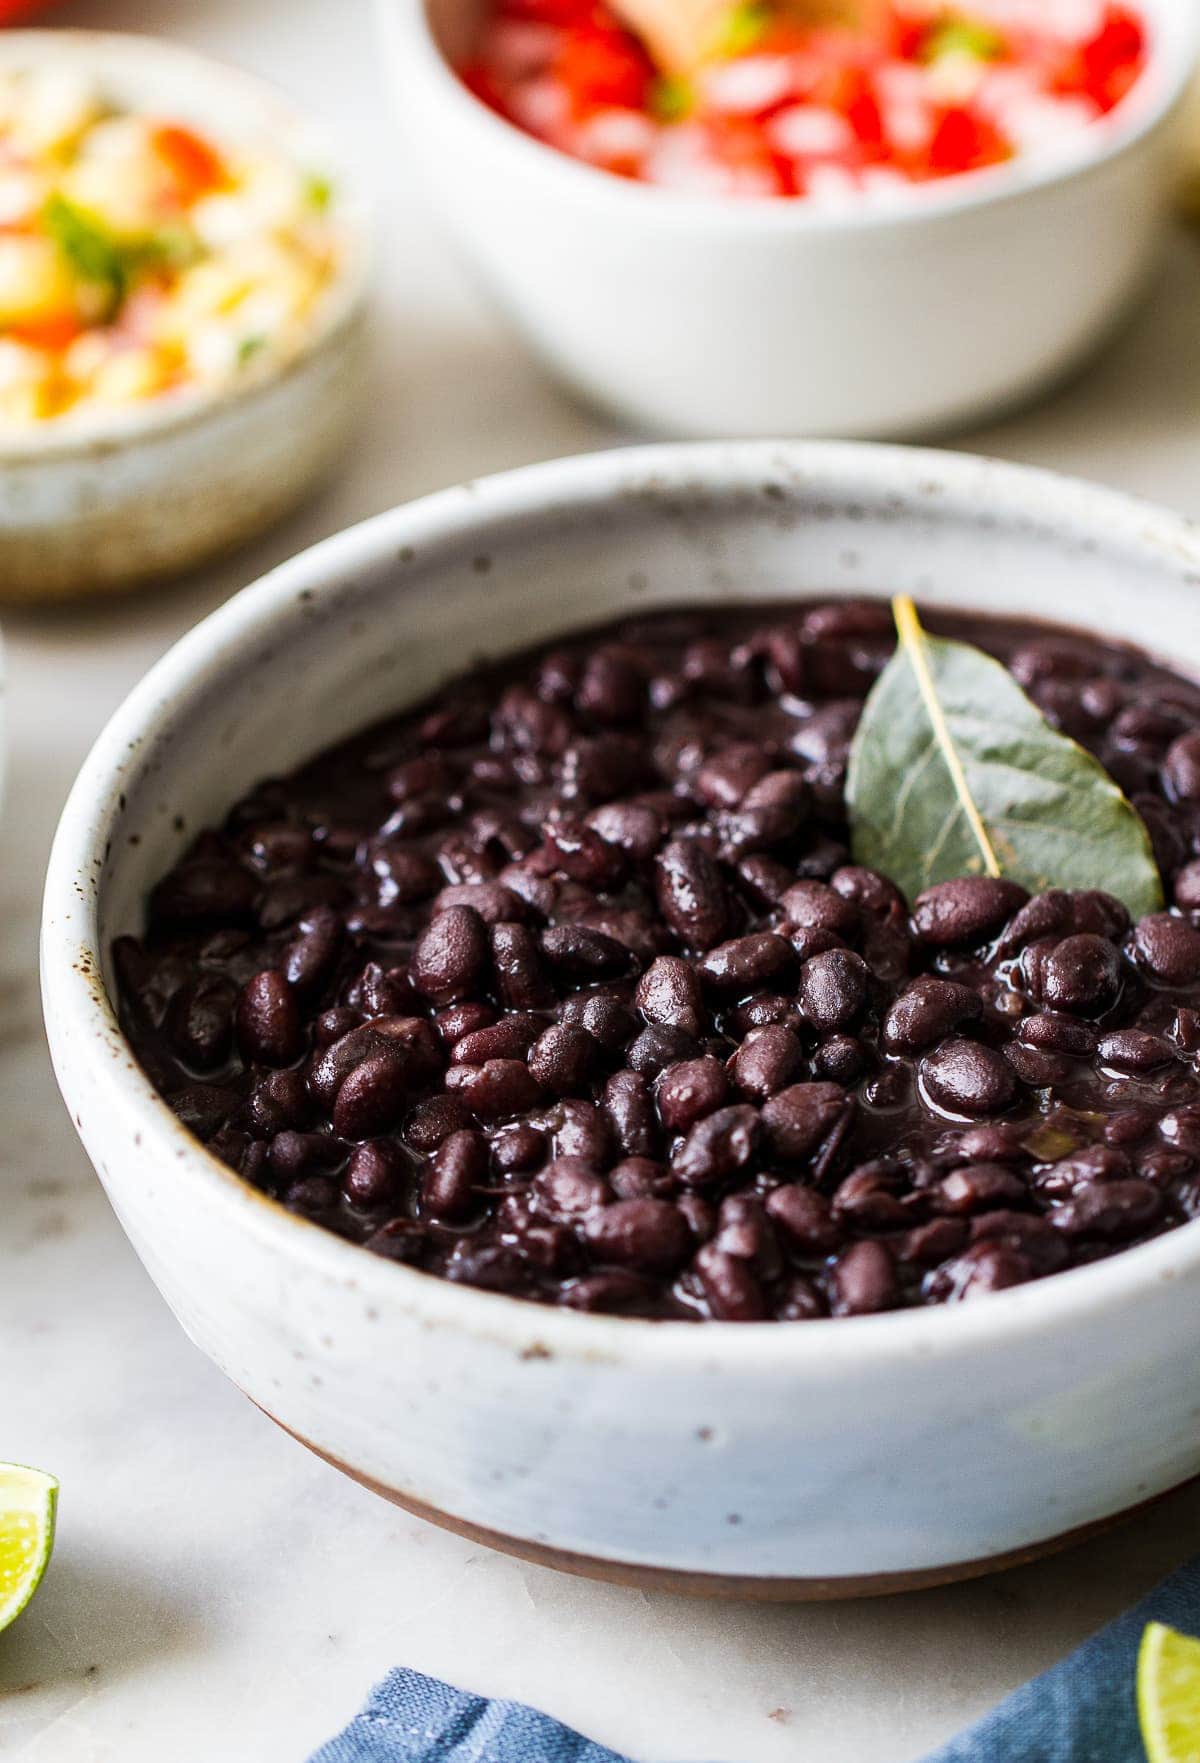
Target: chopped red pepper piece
x=601, y=68
x=196, y=167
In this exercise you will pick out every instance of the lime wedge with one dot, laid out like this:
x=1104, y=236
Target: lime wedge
x=1168, y=1695
x=27, y=1502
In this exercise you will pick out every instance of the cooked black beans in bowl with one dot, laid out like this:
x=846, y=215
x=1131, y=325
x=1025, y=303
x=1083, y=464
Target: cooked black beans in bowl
x=564, y=985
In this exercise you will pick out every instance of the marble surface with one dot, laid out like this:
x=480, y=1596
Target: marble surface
x=215, y=1592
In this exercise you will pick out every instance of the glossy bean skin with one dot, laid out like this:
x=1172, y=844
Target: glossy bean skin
x=565, y=985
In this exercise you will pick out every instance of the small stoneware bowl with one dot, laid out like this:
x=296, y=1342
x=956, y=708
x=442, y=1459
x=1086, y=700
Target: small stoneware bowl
x=134, y=495
x=704, y=316
x=814, y=1459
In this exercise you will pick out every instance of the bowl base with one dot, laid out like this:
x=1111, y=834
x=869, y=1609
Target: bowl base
x=742, y=1588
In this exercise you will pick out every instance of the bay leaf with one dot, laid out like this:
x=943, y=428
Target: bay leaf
x=954, y=771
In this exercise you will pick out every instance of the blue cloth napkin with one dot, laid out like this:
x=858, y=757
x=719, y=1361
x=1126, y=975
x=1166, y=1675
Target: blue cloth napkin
x=1080, y=1711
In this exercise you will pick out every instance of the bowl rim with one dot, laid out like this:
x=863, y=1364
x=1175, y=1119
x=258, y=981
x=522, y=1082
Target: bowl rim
x=295, y=132
x=1175, y=50
x=81, y=1023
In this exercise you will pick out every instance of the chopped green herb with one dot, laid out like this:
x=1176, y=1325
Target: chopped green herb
x=318, y=191
x=743, y=28
x=955, y=35
x=672, y=98
x=249, y=347
x=108, y=263
x=93, y=254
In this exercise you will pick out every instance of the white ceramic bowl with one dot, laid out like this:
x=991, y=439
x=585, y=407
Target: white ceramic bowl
x=130, y=496
x=801, y=1459
x=699, y=316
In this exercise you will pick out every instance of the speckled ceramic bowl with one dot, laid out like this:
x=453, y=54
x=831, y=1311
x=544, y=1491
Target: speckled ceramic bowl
x=134, y=495
x=805, y=1459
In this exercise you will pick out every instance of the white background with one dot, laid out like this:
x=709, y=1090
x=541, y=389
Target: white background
x=217, y=1596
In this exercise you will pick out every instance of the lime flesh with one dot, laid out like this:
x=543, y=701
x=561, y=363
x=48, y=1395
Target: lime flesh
x=27, y=1505
x=1168, y=1695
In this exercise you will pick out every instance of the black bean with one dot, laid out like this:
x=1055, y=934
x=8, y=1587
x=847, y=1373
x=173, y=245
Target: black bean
x=746, y=964
x=723, y=780
x=401, y=1239
x=874, y=895
x=730, y=1287
x=1186, y=887
x=312, y=954
x=972, y=909
x=636, y=830
x=199, y=1021
x=494, y=903
x=926, y=1011
x=293, y=1155
x=495, y=1090
x=767, y=1061
x=568, y=1188
x=204, y=893
x=641, y=1178
x=688, y=1091
x=449, y=959
x=647, y=1235
x=832, y=990
x=717, y=1146
x=455, y=1170
x=1082, y=974
x=813, y=905
x=1167, y=949
x=1052, y=1032
x=435, y=1119
x=561, y=1059
x=841, y=1058
x=804, y=1220
x=963, y=1077
x=203, y=1108
x=580, y=954
x=656, y=1048
x=668, y=993
x=279, y=1100
x=1132, y=1050
x=980, y=1187
x=522, y=980
x=581, y=1131
x=605, y=1016
x=799, y=1119
x=269, y=1028
x=629, y=1105
x=374, y=1096
x=1181, y=767
x=869, y=1197
x=510, y=1038
x=864, y=1280
x=374, y=1176
x=691, y=894
x=519, y=1148
x=1114, y=1210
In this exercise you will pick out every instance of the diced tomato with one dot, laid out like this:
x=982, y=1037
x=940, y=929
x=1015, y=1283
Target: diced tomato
x=1112, y=60
x=739, y=143
x=477, y=77
x=861, y=110
x=196, y=167
x=602, y=68
x=884, y=84
x=964, y=141
x=52, y=333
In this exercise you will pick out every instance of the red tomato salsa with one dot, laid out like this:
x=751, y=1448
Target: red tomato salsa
x=781, y=109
